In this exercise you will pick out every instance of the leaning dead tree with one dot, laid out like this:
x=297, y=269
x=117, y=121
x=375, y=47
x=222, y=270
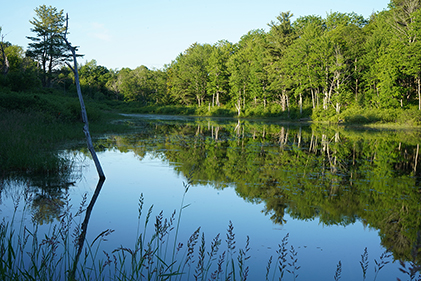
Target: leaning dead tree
x=82, y=106
x=6, y=64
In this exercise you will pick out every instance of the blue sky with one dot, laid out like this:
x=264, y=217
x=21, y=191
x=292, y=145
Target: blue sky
x=129, y=33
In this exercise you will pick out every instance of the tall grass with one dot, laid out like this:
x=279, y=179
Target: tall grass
x=34, y=126
x=27, y=143
x=27, y=253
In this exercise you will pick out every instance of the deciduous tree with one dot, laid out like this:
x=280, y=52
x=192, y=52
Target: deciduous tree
x=188, y=75
x=218, y=84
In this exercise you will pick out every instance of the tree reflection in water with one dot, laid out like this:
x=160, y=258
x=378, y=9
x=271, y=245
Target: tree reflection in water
x=333, y=174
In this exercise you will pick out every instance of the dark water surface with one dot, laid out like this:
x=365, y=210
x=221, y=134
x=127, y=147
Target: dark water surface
x=334, y=191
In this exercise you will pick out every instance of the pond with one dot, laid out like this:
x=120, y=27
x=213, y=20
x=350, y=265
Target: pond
x=329, y=192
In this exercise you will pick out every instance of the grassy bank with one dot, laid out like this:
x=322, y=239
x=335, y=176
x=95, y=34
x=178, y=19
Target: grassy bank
x=390, y=118
x=35, y=125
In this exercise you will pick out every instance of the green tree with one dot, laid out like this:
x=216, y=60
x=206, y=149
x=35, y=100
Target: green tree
x=248, y=79
x=188, y=75
x=406, y=23
x=218, y=84
x=300, y=64
x=345, y=34
x=258, y=82
x=239, y=69
x=158, y=87
x=47, y=47
x=280, y=37
x=141, y=85
x=18, y=72
x=133, y=84
x=394, y=69
x=378, y=37
x=325, y=59
x=411, y=60
x=93, y=79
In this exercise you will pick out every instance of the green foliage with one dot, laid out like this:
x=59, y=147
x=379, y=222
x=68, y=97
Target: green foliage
x=52, y=106
x=314, y=66
x=410, y=117
x=320, y=114
x=48, y=47
x=218, y=83
x=27, y=143
x=188, y=76
x=35, y=125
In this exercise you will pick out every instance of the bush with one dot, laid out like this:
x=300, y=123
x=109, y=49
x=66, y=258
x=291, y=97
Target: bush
x=320, y=114
x=410, y=117
x=21, y=81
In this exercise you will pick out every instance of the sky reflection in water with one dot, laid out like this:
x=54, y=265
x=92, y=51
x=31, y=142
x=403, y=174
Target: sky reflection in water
x=319, y=247
x=153, y=164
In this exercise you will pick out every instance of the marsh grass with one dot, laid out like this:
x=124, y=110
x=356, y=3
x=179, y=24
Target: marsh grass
x=29, y=253
x=35, y=126
x=26, y=143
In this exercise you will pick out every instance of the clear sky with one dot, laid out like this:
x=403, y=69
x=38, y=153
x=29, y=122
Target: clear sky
x=130, y=33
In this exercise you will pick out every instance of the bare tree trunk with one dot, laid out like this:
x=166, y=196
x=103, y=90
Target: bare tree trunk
x=419, y=91
x=83, y=109
x=6, y=65
x=238, y=106
x=299, y=138
x=313, y=99
x=301, y=105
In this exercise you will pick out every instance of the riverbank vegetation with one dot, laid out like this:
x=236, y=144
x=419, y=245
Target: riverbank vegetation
x=34, y=127
x=338, y=68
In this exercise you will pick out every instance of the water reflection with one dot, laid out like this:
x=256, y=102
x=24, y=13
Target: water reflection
x=46, y=196
x=330, y=174
x=84, y=227
x=335, y=175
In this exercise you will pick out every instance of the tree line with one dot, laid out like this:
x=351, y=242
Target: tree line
x=325, y=64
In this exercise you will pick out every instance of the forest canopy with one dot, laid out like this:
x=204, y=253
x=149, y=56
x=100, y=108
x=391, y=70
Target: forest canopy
x=311, y=65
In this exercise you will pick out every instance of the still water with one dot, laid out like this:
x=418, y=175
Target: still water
x=334, y=191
